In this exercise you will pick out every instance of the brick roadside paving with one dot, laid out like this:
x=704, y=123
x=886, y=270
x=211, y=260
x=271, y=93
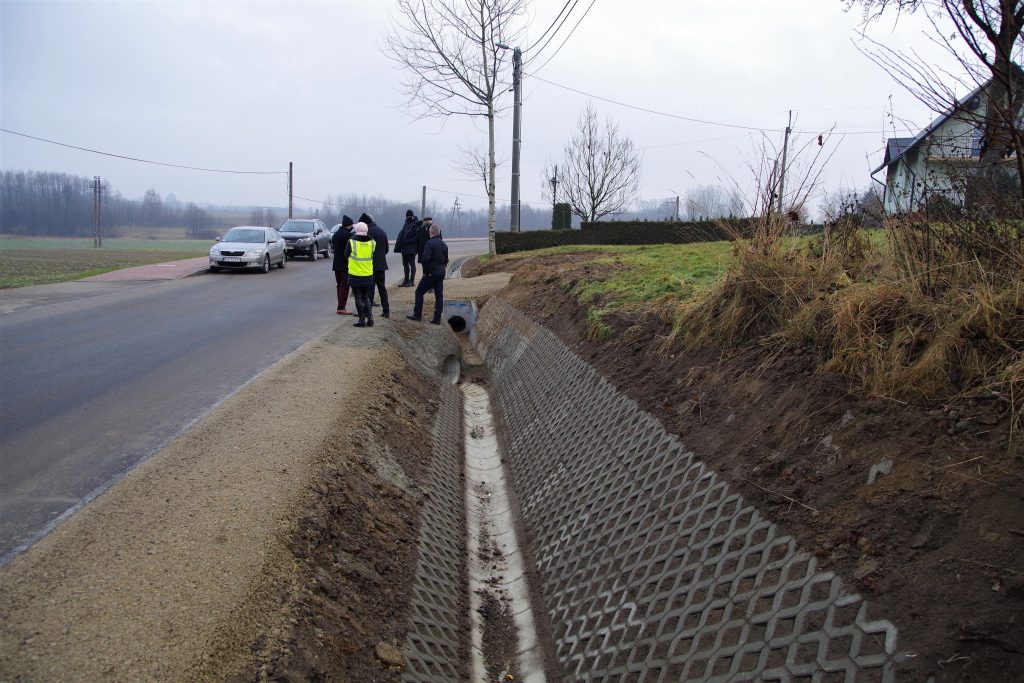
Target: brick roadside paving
x=171, y=270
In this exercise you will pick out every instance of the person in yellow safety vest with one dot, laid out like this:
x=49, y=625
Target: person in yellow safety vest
x=359, y=256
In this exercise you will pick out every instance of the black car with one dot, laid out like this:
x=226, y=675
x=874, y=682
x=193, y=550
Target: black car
x=306, y=237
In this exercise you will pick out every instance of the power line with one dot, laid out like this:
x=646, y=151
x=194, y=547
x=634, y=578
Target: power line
x=592, y=3
x=144, y=161
x=551, y=26
x=690, y=118
x=555, y=34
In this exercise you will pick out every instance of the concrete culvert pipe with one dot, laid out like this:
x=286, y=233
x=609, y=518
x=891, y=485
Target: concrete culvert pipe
x=458, y=323
x=452, y=369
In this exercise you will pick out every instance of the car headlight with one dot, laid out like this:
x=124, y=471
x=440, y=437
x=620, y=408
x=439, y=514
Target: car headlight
x=214, y=251
x=305, y=240
x=254, y=252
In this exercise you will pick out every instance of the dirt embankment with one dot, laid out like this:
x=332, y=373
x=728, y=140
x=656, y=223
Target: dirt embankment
x=276, y=539
x=920, y=507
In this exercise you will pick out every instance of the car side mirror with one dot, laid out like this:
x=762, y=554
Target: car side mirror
x=217, y=238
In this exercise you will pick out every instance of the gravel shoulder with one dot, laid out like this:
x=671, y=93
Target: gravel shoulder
x=171, y=573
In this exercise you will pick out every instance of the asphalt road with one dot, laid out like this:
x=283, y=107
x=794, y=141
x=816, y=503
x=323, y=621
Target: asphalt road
x=97, y=376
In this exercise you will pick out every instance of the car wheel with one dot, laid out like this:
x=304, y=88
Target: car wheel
x=266, y=264
x=314, y=254
x=284, y=260
x=330, y=250
x=214, y=269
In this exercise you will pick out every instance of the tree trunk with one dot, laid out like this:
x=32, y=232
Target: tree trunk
x=490, y=181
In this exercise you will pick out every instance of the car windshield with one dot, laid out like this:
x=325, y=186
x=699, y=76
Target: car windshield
x=297, y=226
x=244, y=235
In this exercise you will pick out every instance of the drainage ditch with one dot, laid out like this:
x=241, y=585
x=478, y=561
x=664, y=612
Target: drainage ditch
x=646, y=565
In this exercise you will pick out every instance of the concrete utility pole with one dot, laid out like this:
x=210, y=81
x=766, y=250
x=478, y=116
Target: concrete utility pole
x=517, y=122
x=782, y=172
x=290, y=186
x=677, y=208
x=423, y=204
x=554, y=188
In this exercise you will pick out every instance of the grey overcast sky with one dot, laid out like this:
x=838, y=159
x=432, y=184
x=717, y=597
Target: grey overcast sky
x=254, y=85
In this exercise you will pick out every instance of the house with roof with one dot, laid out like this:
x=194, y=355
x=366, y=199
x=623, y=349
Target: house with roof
x=939, y=161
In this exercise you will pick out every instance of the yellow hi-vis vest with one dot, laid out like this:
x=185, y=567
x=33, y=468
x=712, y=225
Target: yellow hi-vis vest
x=360, y=261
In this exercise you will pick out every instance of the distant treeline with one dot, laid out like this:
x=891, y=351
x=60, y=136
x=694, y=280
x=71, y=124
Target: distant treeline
x=61, y=205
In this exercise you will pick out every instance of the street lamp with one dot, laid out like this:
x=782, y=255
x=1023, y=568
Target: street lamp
x=517, y=114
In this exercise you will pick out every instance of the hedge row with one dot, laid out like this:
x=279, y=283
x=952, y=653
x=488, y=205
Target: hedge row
x=623, y=232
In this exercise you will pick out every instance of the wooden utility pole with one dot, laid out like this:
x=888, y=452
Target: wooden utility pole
x=554, y=188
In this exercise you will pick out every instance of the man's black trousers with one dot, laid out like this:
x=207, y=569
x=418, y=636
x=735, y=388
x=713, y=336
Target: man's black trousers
x=378, y=279
x=409, y=265
x=429, y=282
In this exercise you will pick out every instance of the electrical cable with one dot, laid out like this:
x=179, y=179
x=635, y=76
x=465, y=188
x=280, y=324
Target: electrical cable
x=553, y=35
x=144, y=161
x=551, y=26
x=592, y=3
x=690, y=118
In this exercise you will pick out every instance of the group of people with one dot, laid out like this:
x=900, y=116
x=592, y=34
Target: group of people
x=360, y=265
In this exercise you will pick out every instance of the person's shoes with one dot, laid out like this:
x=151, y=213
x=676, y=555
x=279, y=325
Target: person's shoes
x=386, y=314
x=435, y=322
x=361, y=323
x=369, y=322
x=374, y=304
x=414, y=317
x=344, y=311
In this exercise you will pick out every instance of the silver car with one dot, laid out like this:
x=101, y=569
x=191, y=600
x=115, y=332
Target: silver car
x=248, y=246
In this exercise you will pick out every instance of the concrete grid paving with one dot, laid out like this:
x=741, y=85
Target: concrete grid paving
x=652, y=568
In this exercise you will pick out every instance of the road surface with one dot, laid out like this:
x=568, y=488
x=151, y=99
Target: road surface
x=97, y=376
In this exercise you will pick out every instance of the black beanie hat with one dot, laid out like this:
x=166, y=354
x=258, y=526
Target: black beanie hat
x=409, y=213
x=345, y=221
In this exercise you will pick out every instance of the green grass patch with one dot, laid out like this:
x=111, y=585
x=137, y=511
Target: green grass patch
x=27, y=265
x=200, y=247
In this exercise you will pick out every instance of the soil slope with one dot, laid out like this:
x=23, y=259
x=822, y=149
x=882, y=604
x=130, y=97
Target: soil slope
x=921, y=507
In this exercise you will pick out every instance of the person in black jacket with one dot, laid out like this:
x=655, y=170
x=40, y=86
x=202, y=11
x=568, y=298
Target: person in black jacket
x=422, y=235
x=408, y=246
x=380, y=262
x=339, y=240
x=435, y=265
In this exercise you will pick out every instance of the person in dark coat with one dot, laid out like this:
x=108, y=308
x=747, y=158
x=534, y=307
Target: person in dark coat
x=435, y=265
x=407, y=245
x=338, y=242
x=359, y=254
x=422, y=235
x=380, y=262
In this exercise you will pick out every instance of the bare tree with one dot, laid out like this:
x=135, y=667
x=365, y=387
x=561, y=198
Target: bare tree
x=712, y=201
x=453, y=54
x=600, y=174
x=983, y=37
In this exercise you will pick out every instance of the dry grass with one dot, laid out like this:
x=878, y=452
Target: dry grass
x=921, y=315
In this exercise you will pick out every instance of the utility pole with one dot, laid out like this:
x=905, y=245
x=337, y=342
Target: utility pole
x=677, y=208
x=782, y=171
x=423, y=204
x=554, y=188
x=291, y=185
x=517, y=123
x=97, y=236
